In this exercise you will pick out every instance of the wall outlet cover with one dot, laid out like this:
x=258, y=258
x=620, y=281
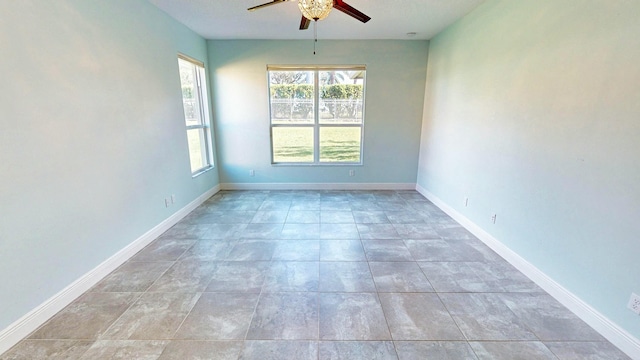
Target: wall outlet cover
x=634, y=303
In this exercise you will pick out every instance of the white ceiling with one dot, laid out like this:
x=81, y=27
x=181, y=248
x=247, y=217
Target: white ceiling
x=390, y=19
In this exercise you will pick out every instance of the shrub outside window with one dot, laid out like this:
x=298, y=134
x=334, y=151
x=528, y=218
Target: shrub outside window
x=196, y=114
x=317, y=114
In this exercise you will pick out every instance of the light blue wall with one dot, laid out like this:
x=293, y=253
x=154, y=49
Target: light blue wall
x=396, y=73
x=533, y=112
x=92, y=138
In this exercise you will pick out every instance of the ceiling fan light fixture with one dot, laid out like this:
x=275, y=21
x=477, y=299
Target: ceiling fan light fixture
x=315, y=9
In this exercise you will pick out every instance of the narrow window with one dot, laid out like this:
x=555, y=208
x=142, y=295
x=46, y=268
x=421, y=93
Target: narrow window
x=316, y=115
x=196, y=114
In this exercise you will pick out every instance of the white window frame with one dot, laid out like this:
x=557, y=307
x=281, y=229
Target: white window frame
x=316, y=124
x=204, y=125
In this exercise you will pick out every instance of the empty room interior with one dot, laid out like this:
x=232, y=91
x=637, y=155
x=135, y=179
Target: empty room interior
x=187, y=179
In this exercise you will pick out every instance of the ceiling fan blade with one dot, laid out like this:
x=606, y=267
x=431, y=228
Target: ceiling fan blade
x=304, y=23
x=349, y=10
x=274, y=2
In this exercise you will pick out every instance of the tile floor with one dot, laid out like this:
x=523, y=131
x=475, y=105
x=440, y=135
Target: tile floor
x=315, y=275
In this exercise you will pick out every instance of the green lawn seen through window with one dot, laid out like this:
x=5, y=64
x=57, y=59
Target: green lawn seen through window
x=337, y=144
x=340, y=144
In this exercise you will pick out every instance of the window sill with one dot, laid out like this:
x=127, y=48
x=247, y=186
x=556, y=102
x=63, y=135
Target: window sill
x=201, y=171
x=315, y=164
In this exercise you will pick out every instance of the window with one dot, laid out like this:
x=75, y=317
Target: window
x=316, y=115
x=196, y=114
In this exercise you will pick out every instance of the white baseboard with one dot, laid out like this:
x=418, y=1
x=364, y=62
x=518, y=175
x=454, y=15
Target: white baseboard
x=38, y=316
x=318, y=186
x=607, y=328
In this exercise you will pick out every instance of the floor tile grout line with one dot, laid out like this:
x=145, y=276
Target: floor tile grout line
x=255, y=308
x=133, y=302
x=175, y=332
x=466, y=337
x=384, y=313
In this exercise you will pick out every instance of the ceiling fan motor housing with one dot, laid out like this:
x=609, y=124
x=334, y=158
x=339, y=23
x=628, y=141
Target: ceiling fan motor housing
x=315, y=9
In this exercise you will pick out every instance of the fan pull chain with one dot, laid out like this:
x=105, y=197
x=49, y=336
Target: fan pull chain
x=315, y=36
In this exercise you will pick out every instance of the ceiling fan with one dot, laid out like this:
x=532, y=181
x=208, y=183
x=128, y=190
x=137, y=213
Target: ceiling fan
x=318, y=9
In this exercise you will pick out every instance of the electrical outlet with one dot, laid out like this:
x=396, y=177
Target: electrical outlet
x=634, y=303
x=493, y=218
x=173, y=199
x=252, y=173
x=466, y=202
x=166, y=202
x=352, y=172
